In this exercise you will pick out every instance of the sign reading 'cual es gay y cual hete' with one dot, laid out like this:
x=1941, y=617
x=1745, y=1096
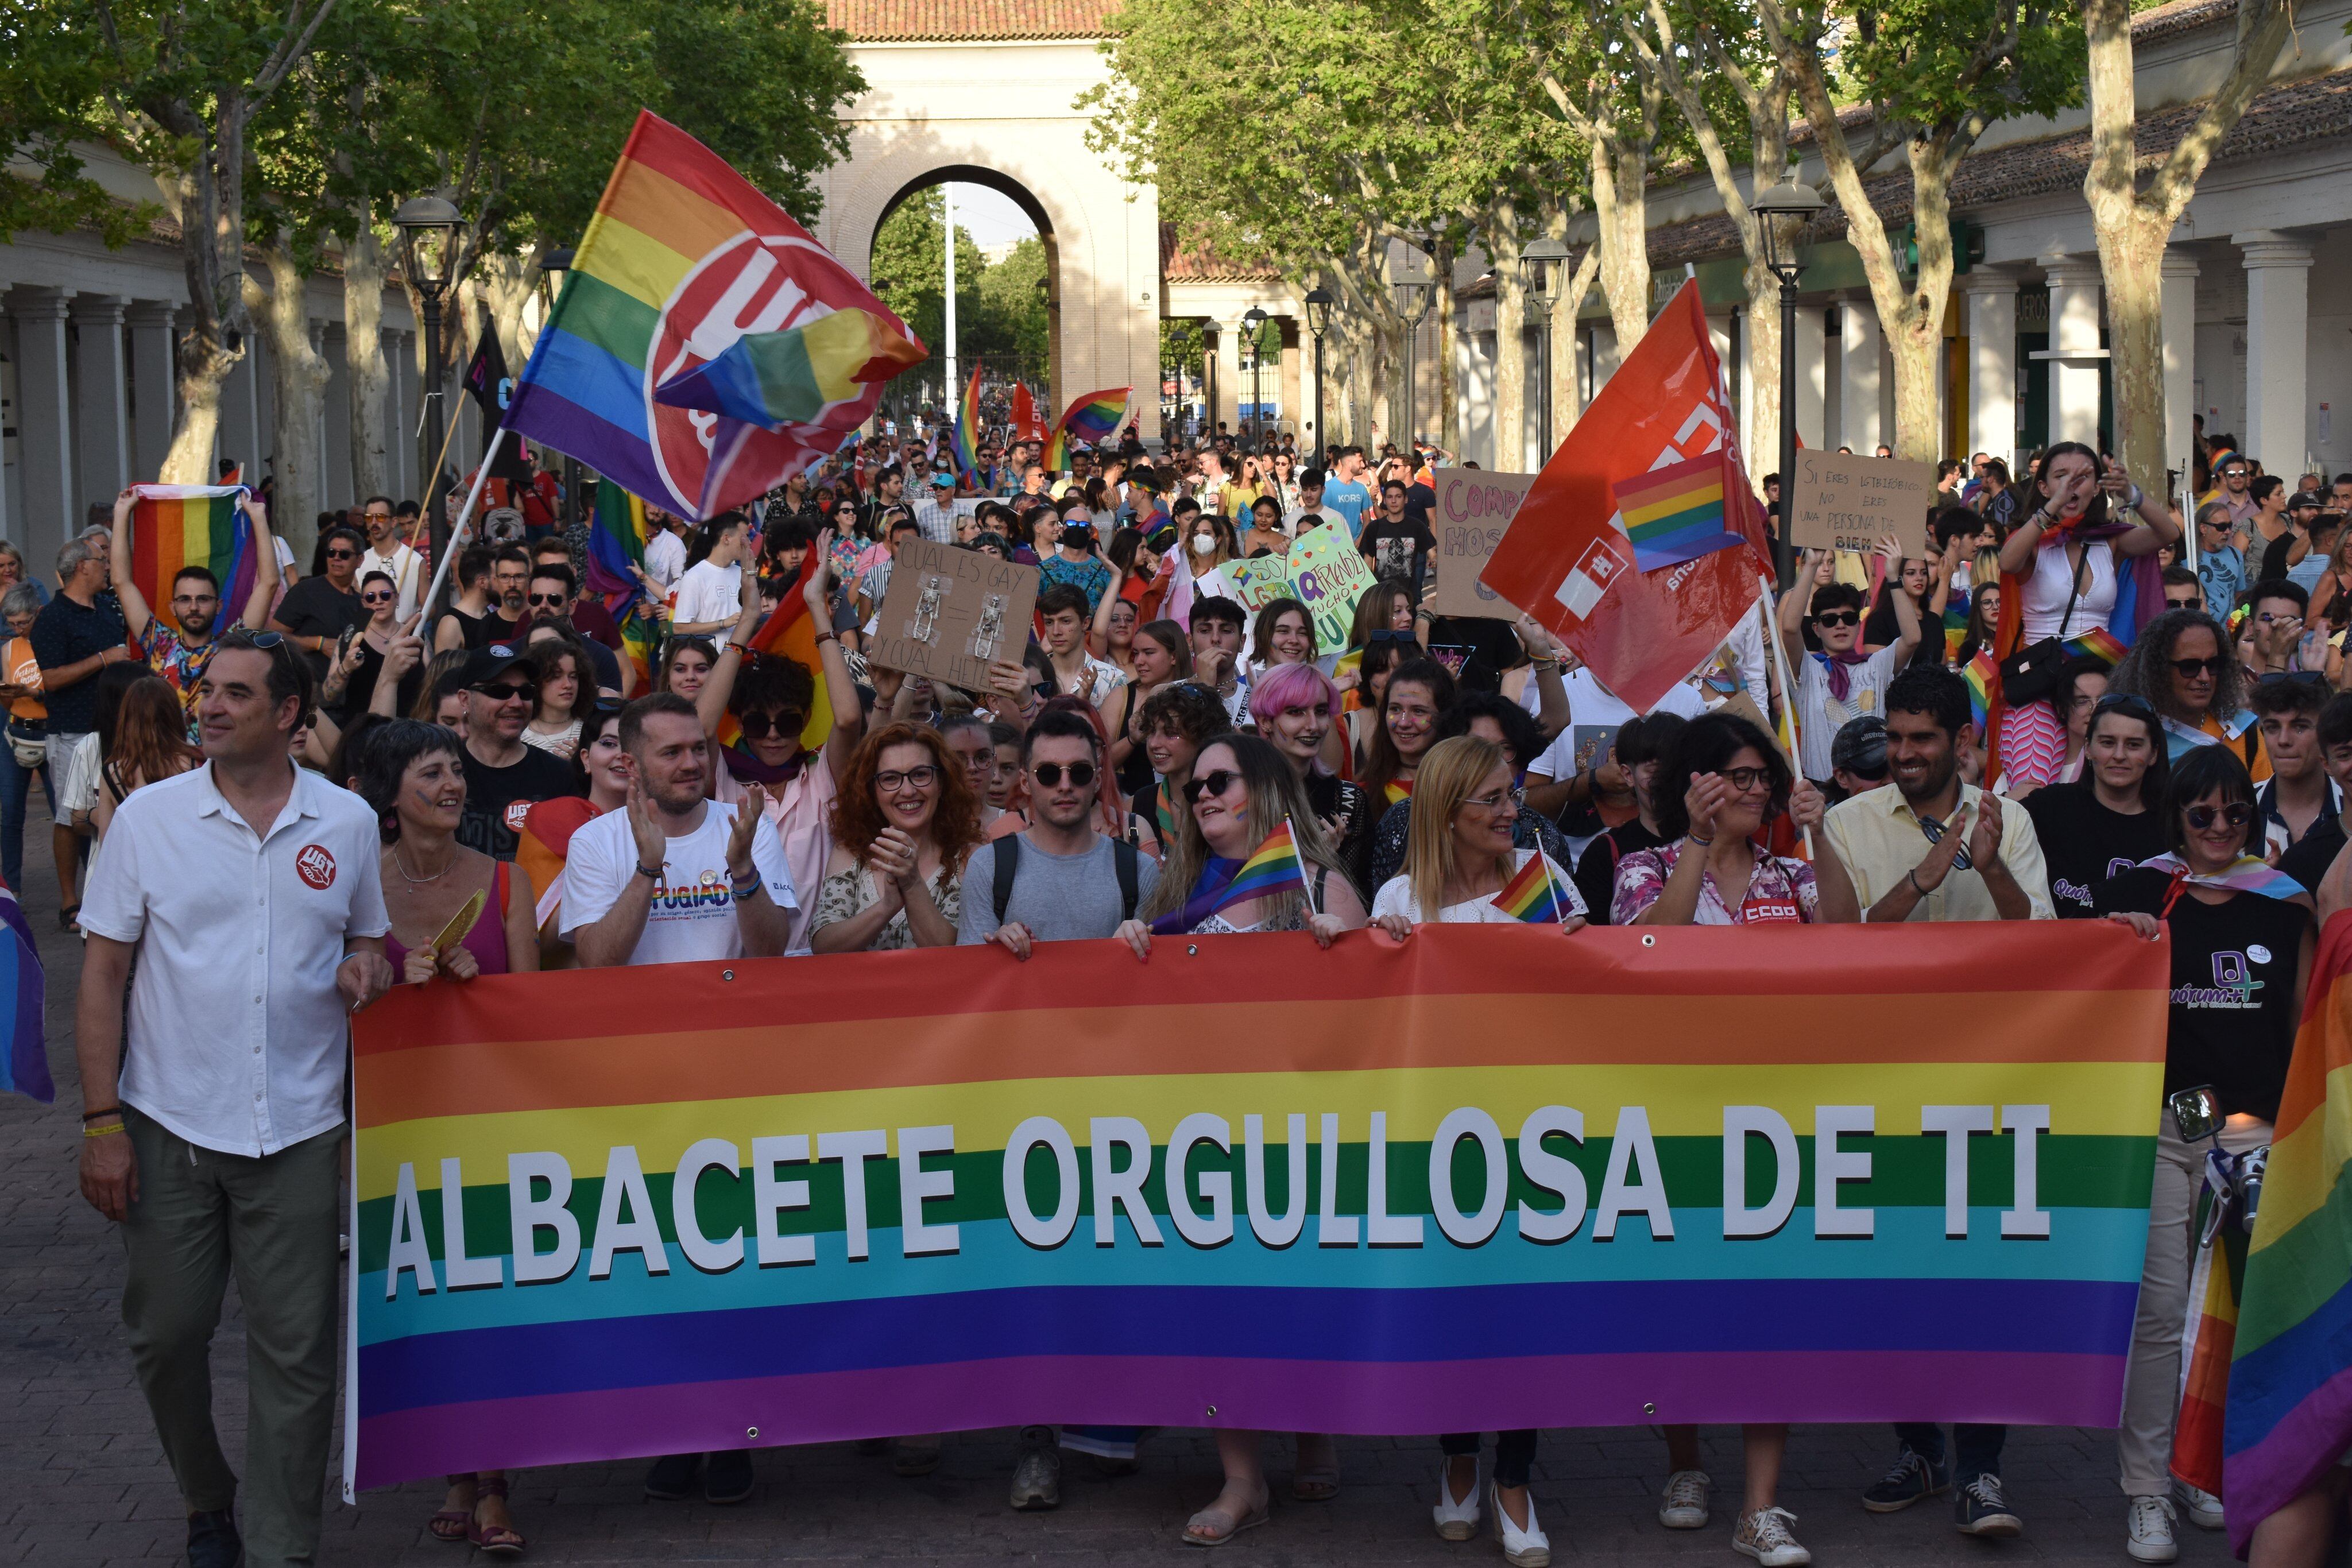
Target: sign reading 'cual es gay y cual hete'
x=1492, y=1178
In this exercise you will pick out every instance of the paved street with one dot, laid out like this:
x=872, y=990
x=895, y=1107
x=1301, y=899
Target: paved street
x=85, y=1482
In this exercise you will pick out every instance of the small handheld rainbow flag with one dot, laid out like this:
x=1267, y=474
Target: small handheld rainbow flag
x=1955, y=632
x=789, y=632
x=964, y=441
x=2097, y=643
x=772, y=380
x=1530, y=894
x=1675, y=514
x=1271, y=866
x=1981, y=678
x=176, y=526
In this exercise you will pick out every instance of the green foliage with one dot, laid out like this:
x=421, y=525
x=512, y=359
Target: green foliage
x=51, y=74
x=1012, y=315
x=1935, y=67
x=1000, y=310
x=1183, y=348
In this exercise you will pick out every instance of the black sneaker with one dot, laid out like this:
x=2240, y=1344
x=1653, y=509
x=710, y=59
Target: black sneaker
x=726, y=1476
x=672, y=1478
x=213, y=1541
x=1915, y=1476
x=1979, y=1508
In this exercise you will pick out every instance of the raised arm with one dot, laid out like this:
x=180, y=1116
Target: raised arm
x=266, y=575
x=136, y=610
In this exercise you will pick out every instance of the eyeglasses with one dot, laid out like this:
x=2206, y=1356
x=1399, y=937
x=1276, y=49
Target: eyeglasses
x=1493, y=802
x=760, y=726
x=343, y=555
x=2236, y=814
x=552, y=600
x=506, y=691
x=1212, y=784
x=1049, y=774
x=2308, y=678
x=891, y=781
x=1746, y=778
x=2190, y=669
x=1838, y=618
x=380, y=596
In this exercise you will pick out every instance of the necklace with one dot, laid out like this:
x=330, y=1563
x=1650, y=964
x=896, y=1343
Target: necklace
x=418, y=880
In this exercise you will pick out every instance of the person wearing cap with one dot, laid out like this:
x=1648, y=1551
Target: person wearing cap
x=2285, y=552
x=2233, y=485
x=504, y=777
x=934, y=509
x=1857, y=758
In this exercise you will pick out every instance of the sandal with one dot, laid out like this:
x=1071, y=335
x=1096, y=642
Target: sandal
x=451, y=1524
x=1201, y=1529
x=497, y=1540
x=1317, y=1481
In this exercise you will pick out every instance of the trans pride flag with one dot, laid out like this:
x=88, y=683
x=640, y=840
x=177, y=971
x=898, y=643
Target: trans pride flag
x=176, y=526
x=684, y=258
x=25, y=1062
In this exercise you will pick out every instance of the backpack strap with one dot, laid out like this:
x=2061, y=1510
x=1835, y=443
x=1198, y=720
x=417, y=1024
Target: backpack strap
x=1008, y=864
x=1124, y=857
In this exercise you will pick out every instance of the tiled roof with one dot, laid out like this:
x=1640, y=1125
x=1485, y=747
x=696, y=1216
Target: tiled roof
x=2290, y=115
x=950, y=21
x=1196, y=263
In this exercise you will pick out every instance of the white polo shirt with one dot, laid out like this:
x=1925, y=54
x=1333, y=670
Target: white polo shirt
x=237, y=1035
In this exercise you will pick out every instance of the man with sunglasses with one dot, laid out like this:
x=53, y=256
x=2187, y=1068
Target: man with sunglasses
x=2233, y=485
x=2221, y=563
x=316, y=611
x=180, y=651
x=1841, y=682
x=386, y=554
x=504, y=777
x=553, y=599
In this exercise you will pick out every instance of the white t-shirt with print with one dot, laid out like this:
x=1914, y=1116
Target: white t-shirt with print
x=707, y=594
x=693, y=917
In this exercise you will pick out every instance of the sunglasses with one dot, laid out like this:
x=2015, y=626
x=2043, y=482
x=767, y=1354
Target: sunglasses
x=507, y=692
x=1213, y=784
x=1081, y=774
x=2190, y=669
x=760, y=726
x=890, y=780
x=267, y=642
x=2308, y=678
x=2124, y=702
x=343, y=555
x=2236, y=814
x=1838, y=618
x=555, y=600
x=378, y=597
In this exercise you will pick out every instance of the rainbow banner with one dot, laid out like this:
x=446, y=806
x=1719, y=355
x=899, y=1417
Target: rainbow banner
x=964, y=439
x=176, y=526
x=684, y=258
x=1512, y=1181
x=2290, y=1391
x=1675, y=513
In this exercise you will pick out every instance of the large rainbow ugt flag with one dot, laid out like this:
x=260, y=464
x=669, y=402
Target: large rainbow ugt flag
x=1477, y=1182
x=683, y=260
x=178, y=526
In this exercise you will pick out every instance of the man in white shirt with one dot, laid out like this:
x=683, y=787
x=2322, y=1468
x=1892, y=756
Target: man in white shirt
x=1310, y=512
x=934, y=509
x=386, y=554
x=247, y=890
x=1841, y=682
x=665, y=549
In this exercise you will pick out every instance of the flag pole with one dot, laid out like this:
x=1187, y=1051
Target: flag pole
x=1306, y=884
x=1551, y=891
x=1779, y=657
x=457, y=529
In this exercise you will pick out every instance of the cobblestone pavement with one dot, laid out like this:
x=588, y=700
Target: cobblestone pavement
x=83, y=1482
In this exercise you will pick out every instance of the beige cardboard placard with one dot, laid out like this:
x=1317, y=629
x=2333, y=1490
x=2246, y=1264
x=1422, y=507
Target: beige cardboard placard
x=1474, y=507
x=1842, y=502
x=949, y=613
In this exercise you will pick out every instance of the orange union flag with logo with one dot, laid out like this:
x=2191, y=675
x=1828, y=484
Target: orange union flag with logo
x=1566, y=558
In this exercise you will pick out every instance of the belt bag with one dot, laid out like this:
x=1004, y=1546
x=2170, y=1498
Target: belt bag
x=26, y=742
x=2032, y=674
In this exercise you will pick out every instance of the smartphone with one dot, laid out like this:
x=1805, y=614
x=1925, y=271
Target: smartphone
x=343, y=643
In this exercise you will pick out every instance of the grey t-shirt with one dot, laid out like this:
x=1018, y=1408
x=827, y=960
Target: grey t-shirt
x=1060, y=898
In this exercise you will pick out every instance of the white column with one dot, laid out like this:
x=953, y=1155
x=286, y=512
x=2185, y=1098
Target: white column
x=2074, y=355
x=2180, y=313
x=1992, y=365
x=155, y=385
x=43, y=424
x=101, y=412
x=2278, y=317
x=1861, y=350
x=1809, y=345
x=1234, y=382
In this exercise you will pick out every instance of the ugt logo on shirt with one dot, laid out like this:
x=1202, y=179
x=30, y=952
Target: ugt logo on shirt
x=315, y=866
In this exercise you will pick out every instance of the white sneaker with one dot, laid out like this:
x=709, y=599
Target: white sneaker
x=1528, y=1548
x=1455, y=1521
x=1764, y=1535
x=2150, y=1539
x=2204, y=1509
x=1685, y=1504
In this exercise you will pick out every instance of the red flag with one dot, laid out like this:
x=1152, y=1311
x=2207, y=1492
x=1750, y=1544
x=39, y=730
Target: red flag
x=1566, y=557
x=1024, y=415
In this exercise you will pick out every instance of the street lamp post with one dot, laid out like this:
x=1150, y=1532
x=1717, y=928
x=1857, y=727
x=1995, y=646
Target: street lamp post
x=1253, y=320
x=559, y=260
x=1795, y=203
x=1413, y=297
x=428, y=231
x=1319, y=321
x=1543, y=265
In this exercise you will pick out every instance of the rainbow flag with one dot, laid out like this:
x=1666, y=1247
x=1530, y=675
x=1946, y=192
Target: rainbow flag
x=599, y=1218
x=24, y=1061
x=2290, y=1392
x=1675, y=513
x=2214, y=1284
x=1955, y=632
x=1983, y=680
x=2247, y=873
x=1530, y=894
x=788, y=632
x=1272, y=867
x=176, y=525
x=1092, y=418
x=1394, y=791
x=683, y=260
x=2097, y=643
x=778, y=380
x=964, y=439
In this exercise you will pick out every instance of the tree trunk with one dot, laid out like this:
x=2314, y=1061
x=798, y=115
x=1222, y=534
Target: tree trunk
x=1510, y=341
x=1914, y=327
x=1441, y=295
x=1763, y=400
x=1620, y=207
x=363, y=361
x=210, y=201
x=202, y=369
x=298, y=379
x=1565, y=407
x=503, y=283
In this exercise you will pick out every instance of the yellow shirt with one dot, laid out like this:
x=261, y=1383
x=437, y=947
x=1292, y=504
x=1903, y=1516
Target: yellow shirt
x=1878, y=837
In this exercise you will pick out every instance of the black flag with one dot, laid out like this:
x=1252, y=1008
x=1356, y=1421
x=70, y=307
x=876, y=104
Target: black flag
x=493, y=389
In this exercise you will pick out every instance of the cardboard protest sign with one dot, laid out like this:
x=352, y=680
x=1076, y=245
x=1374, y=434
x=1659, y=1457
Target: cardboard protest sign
x=1329, y=575
x=1474, y=508
x=949, y=613
x=1848, y=503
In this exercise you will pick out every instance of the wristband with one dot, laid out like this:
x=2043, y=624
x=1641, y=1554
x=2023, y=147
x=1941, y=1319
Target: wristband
x=2132, y=501
x=110, y=1111
x=650, y=872
x=1912, y=876
x=102, y=1132
x=1694, y=839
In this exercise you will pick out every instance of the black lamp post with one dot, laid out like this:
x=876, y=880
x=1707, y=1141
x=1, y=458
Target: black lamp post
x=1413, y=297
x=559, y=260
x=1780, y=210
x=1253, y=320
x=1319, y=321
x=1543, y=266
x=428, y=232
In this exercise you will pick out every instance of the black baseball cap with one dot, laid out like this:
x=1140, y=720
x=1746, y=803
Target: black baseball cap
x=1861, y=747
x=488, y=662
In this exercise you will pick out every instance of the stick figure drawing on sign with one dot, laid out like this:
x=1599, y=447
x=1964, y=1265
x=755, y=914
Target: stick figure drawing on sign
x=924, y=628
x=991, y=629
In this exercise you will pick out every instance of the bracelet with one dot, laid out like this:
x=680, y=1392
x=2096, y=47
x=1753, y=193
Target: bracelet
x=110, y=1111
x=650, y=872
x=827, y=637
x=102, y=1132
x=1912, y=876
x=1694, y=839
x=2132, y=501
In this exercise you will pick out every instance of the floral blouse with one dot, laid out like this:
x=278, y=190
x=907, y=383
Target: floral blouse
x=1780, y=890
x=850, y=891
